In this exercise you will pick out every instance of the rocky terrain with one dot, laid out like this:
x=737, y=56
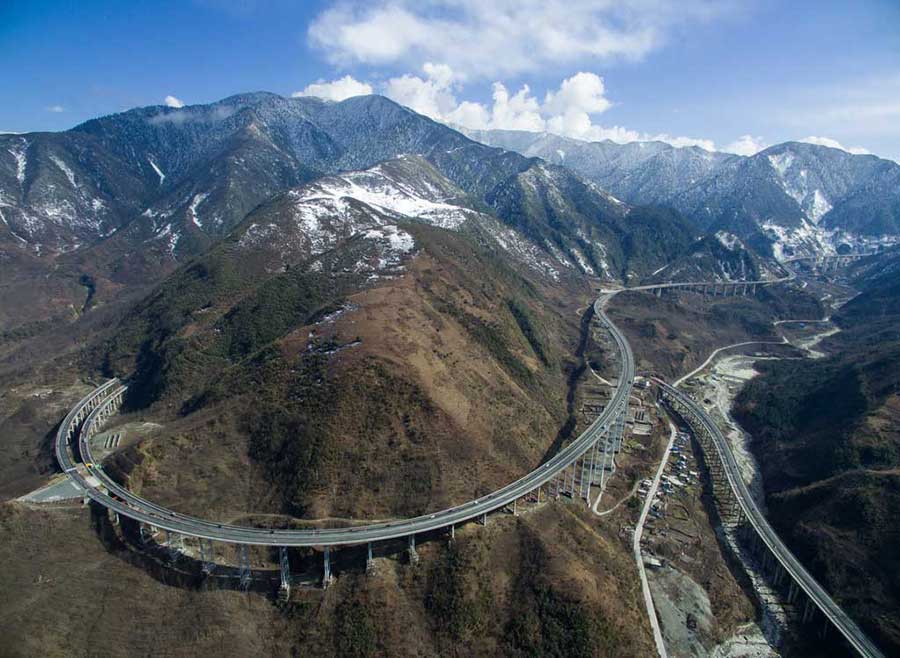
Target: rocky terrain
x=333, y=312
x=825, y=435
x=790, y=198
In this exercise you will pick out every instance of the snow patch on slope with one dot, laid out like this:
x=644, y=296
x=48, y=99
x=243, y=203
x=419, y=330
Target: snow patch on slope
x=819, y=207
x=171, y=237
x=192, y=209
x=513, y=243
x=158, y=171
x=582, y=262
x=375, y=189
x=806, y=239
x=21, y=161
x=781, y=162
x=63, y=167
x=394, y=243
x=728, y=240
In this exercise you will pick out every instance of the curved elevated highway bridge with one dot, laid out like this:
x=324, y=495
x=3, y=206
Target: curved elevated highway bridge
x=572, y=471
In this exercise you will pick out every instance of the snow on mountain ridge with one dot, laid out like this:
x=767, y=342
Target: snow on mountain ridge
x=374, y=188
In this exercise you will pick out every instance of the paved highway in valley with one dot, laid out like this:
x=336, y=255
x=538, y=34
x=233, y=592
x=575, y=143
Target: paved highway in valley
x=97, y=485
x=770, y=538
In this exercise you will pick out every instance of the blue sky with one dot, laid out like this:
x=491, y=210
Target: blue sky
x=730, y=74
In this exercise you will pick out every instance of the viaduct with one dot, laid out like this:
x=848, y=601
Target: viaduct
x=571, y=472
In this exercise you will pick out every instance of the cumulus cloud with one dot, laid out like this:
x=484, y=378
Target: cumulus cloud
x=568, y=110
x=504, y=37
x=578, y=97
x=746, y=145
x=56, y=109
x=431, y=95
x=172, y=101
x=336, y=90
x=833, y=143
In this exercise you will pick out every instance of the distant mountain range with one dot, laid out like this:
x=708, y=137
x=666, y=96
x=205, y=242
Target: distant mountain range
x=171, y=182
x=790, y=197
x=123, y=199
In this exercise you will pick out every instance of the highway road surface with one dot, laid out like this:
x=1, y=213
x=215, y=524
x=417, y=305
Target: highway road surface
x=847, y=627
x=88, y=475
x=103, y=489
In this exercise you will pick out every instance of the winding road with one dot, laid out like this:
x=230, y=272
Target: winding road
x=104, y=490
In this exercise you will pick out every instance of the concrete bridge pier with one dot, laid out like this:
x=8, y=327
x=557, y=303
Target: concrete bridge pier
x=285, y=564
x=413, y=555
x=370, y=561
x=326, y=571
x=207, y=555
x=793, y=589
x=766, y=562
x=593, y=450
x=244, y=566
x=585, y=481
x=619, y=431
x=779, y=574
x=808, y=610
x=170, y=546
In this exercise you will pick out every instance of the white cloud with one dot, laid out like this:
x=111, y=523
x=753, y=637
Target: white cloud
x=565, y=111
x=432, y=95
x=521, y=111
x=503, y=37
x=336, y=90
x=833, y=143
x=56, y=109
x=172, y=101
x=578, y=97
x=746, y=145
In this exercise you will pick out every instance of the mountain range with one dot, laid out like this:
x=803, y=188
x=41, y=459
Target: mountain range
x=123, y=199
x=789, y=198
x=118, y=202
